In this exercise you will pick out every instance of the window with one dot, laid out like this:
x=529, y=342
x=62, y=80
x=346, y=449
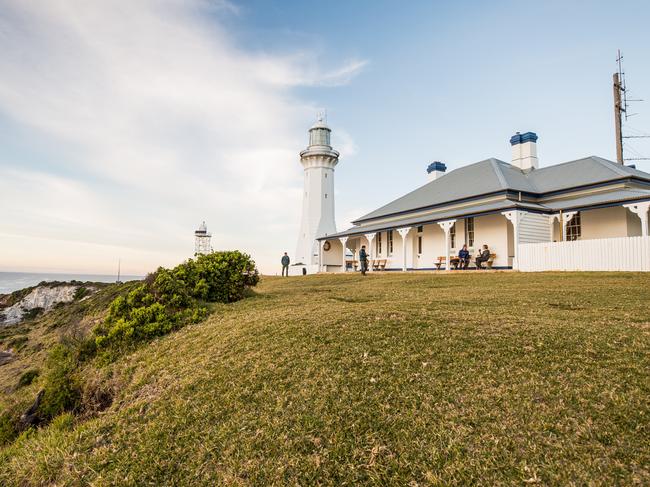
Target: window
x=573, y=228
x=389, y=242
x=452, y=236
x=420, y=228
x=469, y=232
x=419, y=244
x=379, y=243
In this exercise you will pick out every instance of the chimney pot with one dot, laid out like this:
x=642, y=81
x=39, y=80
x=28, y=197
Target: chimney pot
x=435, y=170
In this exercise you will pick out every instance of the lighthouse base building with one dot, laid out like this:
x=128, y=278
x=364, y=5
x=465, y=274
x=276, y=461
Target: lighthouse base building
x=587, y=214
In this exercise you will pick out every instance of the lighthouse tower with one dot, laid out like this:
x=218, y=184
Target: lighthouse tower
x=319, y=161
x=202, y=240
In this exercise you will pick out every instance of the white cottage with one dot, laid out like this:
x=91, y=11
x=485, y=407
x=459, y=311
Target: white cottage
x=588, y=214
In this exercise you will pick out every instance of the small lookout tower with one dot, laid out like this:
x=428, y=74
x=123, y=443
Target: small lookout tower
x=202, y=240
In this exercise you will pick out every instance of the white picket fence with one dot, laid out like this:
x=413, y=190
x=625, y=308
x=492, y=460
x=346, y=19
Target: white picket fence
x=606, y=254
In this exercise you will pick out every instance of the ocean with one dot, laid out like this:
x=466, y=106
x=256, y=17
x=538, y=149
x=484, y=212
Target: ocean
x=12, y=281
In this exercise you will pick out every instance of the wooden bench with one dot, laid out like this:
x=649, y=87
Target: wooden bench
x=455, y=261
x=379, y=264
x=489, y=262
x=442, y=260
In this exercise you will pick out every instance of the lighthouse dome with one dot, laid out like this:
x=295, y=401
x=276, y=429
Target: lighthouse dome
x=319, y=133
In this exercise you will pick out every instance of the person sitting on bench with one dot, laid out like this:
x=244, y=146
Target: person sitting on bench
x=463, y=258
x=484, y=256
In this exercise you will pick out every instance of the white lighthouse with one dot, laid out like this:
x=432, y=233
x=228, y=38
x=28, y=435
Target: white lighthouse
x=318, y=161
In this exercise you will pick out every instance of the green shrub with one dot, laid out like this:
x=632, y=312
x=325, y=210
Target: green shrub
x=61, y=387
x=170, y=298
x=32, y=313
x=27, y=378
x=223, y=276
x=80, y=293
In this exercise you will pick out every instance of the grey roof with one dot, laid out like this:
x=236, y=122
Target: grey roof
x=409, y=221
x=582, y=172
x=480, y=178
x=604, y=198
x=494, y=176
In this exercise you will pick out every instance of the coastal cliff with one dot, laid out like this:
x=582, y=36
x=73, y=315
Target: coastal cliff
x=42, y=298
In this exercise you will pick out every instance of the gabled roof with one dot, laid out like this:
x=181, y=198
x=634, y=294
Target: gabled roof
x=582, y=172
x=485, y=177
x=604, y=198
x=495, y=176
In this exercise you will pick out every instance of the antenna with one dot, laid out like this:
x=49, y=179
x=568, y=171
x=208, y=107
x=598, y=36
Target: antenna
x=621, y=106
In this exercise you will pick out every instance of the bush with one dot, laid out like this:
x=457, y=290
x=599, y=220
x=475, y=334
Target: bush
x=223, y=276
x=61, y=387
x=80, y=293
x=170, y=298
x=27, y=378
x=32, y=313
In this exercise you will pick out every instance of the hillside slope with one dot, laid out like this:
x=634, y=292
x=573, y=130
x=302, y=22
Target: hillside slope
x=31, y=338
x=405, y=379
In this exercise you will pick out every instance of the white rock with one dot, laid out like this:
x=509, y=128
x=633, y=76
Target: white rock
x=45, y=297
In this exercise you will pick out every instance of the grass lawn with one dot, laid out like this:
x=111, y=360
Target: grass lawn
x=393, y=379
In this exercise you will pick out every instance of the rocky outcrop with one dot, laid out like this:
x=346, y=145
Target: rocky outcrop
x=30, y=417
x=42, y=298
x=5, y=357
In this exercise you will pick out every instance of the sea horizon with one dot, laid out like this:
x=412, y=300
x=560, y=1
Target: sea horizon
x=13, y=281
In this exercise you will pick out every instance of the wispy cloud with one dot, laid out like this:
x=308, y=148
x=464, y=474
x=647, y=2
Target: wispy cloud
x=162, y=120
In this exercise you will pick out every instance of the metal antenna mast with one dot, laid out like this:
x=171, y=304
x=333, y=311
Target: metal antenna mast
x=621, y=110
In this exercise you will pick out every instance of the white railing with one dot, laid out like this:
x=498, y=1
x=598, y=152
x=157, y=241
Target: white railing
x=605, y=254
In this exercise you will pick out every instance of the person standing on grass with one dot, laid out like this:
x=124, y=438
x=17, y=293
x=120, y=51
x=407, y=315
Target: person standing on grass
x=484, y=256
x=463, y=257
x=285, y=264
x=363, y=260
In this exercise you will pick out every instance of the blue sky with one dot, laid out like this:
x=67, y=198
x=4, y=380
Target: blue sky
x=124, y=124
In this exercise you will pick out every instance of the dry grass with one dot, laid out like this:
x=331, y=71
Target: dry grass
x=401, y=379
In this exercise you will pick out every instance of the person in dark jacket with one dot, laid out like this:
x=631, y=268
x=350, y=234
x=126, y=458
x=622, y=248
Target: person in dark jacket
x=285, y=264
x=363, y=260
x=484, y=256
x=463, y=257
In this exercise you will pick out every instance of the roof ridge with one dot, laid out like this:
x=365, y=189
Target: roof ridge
x=497, y=170
x=524, y=174
x=570, y=162
x=610, y=165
